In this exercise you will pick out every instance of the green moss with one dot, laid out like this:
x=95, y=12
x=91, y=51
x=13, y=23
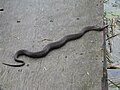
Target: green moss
x=109, y=14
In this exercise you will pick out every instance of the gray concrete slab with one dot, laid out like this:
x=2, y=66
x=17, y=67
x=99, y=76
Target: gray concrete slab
x=31, y=24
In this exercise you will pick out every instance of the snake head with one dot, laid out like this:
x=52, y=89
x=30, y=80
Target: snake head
x=94, y=28
x=98, y=28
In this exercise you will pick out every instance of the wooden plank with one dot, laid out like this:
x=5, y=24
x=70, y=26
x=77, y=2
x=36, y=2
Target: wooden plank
x=31, y=24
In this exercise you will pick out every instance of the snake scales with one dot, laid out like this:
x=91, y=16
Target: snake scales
x=53, y=45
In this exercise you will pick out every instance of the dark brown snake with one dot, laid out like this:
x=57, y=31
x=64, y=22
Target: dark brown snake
x=53, y=45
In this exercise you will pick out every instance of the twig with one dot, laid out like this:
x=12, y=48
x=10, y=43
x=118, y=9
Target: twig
x=113, y=25
x=108, y=57
x=114, y=84
x=112, y=66
x=112, y=36
x=109, y=42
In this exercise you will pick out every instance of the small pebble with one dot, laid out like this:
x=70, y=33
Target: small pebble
x=88, y=73
x=78, y=18
x=51, y=20
x=96, y=4
x=81, y=53
x=19, y=70
x=65, y=56
x=18, y=21
x=27, y=65
x=92, y=41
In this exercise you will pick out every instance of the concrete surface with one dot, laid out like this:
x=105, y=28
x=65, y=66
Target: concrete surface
x=31, y=24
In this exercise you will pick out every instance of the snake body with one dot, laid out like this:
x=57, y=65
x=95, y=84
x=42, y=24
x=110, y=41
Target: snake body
x=53, y=45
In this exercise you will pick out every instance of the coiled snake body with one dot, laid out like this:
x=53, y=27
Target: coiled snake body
x=53, y=45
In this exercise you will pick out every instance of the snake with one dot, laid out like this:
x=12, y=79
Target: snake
x=54, y=45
